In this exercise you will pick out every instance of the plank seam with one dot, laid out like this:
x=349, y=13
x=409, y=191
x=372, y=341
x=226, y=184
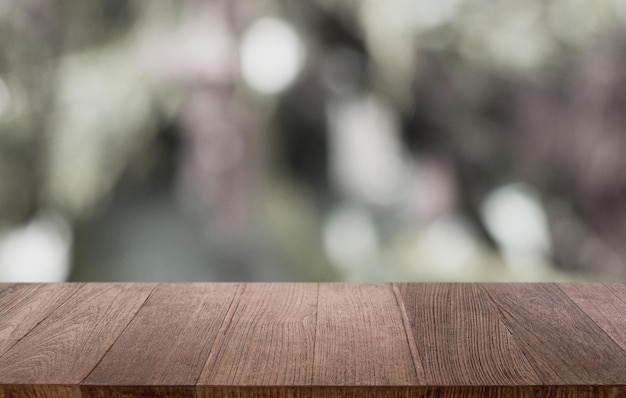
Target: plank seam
x=590, y=318
x=499, y=312
x=417, y=363
x=119, y=335
x=52, y=310
x=228, y=318
x=317, y=308
x=572, y=310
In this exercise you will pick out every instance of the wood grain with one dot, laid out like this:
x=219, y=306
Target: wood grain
x=313, y=340
x=66, y=345
x=325, y=392
x=168, y=341
x=417, y=392
x=604, y=303
x=561, y=342
x=444, y=321
x=39, y=391
x=361, y=339
x=136, y=391
x=23, y=306
x=268, y=338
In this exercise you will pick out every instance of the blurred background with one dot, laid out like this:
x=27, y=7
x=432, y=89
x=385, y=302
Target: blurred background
x=321, y=140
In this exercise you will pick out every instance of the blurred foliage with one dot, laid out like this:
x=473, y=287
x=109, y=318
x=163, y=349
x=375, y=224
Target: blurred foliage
x=404, y=120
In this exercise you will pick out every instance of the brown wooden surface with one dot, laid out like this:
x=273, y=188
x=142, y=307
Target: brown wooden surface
x=323, y=340
x=170, y=338
x=561, y=342
x=23, y=307
x=607, y=310
x=64, y=347
x=269, y=327
x=361, y=339
x=444, y=319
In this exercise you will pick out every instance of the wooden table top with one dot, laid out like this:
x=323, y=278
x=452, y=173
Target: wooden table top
x=300, y=340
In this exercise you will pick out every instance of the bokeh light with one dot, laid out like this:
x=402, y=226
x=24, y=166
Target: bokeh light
x=272, y=54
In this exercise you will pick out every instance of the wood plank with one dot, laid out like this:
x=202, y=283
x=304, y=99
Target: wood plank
x=362, y=392
x=322, y=392
x=65, y=346
x=268, y=338
x=167, y=343
x=361, y=339
x=460, y=337
x=322, y=340
x=605, y=303
x=521, y=392
x=40, y=391
x=562, y=344
x=418, y=392
x=516, y=392
x=23, y=306
x=136, y=391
